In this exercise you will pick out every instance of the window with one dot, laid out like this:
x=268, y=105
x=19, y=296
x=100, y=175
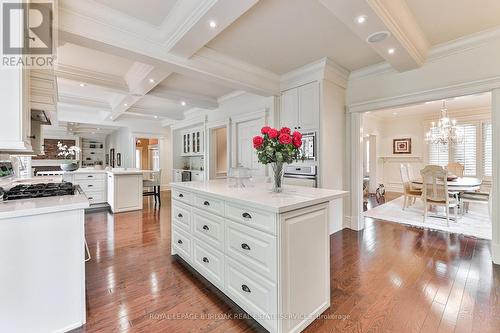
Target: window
x=487, y=149
x=438, y=153
x=465, y=152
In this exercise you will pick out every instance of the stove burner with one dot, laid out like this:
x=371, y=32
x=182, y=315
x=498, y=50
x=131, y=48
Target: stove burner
x=39, y=191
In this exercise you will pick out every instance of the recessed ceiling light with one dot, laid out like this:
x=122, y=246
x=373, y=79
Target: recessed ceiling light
x=151, y=80
x=212, y=24
x=183, y=103
x=395, y=113
x=125, y=104
x=98, y=128
x=156, y=117
x=391, y=50
x=429, y=102
x=361, y=19
x=82, y=85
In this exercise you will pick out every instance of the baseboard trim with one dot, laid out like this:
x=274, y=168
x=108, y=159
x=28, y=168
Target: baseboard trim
x=495, y=253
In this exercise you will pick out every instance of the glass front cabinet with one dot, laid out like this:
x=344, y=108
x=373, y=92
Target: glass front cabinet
x=192, y=142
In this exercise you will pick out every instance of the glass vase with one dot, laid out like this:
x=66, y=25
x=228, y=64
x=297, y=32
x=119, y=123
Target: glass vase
x=277, y=176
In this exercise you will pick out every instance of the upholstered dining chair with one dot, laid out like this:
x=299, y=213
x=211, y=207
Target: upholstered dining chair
x=456, y=169
x=475, y=197
x=435, y=191
x=153, y=182
x=409, y=192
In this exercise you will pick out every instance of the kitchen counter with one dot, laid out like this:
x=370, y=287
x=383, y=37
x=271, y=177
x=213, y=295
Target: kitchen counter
x=268, y=252
x=260, y=194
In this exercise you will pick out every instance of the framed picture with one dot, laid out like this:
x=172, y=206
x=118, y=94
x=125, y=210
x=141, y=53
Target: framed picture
x=112, y=157
x=401, y=146
x=119, y=159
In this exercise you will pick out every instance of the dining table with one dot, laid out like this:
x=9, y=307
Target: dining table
x=460, y=184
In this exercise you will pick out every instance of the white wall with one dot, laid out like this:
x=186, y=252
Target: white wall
x=166, y=162
x=121, y=140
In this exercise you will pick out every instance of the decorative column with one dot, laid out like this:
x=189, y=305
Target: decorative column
x=495, y=212
x=355, y=171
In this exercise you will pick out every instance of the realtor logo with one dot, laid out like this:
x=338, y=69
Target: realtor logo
x=28, y=34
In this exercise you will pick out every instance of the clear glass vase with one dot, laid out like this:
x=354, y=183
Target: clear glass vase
x=277, y=176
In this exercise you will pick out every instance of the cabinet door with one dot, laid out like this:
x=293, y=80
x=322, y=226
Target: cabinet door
x=308, y=113
x=289, y=109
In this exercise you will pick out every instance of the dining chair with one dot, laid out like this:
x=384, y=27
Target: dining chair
x=153, y=182
x=435, y=191
x=456, y=169
x=409, y=192
x=475, y=197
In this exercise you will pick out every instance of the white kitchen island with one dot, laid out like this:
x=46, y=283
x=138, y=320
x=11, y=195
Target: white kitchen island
x=124, y=187
x=268, y=252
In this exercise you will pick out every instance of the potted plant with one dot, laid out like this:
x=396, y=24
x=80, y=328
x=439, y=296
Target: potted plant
x=277, y=147
x=69, y=163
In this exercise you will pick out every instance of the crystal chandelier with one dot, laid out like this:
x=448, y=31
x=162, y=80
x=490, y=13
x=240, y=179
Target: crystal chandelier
x=446, y=131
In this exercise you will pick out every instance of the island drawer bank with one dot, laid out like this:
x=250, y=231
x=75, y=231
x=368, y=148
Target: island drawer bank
x=267, y=252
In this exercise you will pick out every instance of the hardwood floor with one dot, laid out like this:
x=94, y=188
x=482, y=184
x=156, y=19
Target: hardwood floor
x=387, y=278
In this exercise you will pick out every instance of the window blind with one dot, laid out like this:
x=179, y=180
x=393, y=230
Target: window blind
x=438, y=153
x=487, y=141
x=465, y=152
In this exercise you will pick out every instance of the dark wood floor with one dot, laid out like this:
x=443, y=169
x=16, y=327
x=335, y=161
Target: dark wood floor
x=387, y=278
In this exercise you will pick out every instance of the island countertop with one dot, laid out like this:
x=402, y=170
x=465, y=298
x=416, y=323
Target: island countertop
x=261, y=196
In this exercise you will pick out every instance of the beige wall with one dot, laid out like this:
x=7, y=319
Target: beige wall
x=221, y=147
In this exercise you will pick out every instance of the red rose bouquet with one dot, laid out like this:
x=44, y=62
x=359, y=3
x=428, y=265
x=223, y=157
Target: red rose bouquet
x=277, y=147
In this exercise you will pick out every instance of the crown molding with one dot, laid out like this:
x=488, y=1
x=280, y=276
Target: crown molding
x=189, y=122
x=200, y=101
x=84, y=102
x=108, y=81
x=231, y=95
x=323, y=69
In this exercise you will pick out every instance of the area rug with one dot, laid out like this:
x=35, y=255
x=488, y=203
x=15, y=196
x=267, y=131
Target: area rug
x=474, y=223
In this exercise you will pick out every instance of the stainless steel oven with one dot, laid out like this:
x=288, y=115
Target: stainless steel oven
x=301, y=175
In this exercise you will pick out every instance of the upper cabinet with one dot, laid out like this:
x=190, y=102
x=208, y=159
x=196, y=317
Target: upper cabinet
x=300, y=107
x=192, y=142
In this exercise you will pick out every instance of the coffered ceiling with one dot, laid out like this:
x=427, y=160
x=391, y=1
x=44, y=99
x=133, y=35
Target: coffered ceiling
x=123, y=60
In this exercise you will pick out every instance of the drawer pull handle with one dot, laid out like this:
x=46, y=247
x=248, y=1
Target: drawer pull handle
x=205, y=259
x=245, y=247
x=246, y=216
x=90, y=176
x=205, y=227
x=179, y=215
x=90, y=185
x=91, y=198
x=179, y=241
x=206, y=203
x=181, y=195
x=245, y=288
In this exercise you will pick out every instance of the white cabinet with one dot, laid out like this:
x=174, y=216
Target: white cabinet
x=300, y=107
x=192, y=142
x=92, y=183
x=124, y=191
x=197, y=176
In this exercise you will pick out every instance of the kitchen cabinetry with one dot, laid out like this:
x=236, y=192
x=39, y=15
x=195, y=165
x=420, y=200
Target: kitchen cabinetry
x=300, y=107
x=124, y=190
x=92, y=183
x=197, y=176
x=192, y=142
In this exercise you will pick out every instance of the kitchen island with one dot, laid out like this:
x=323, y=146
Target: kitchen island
x=42, y=253
x=267, y=252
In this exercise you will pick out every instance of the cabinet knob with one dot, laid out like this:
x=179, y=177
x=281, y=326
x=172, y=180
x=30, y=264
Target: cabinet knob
x=179, y=215
x=205, y=227
x=181, y=195
x=246, y=216
x=206, y=203
x=245, y=288
x=179, y=241
x=91, y=198
x=205, y=259
x=245, y=246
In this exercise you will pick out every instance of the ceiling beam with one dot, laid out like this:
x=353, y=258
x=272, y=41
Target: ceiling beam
x=108, y=82
x=405, y=36
x=192, y=100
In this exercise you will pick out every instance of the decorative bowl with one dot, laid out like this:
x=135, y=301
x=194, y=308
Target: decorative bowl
x=69, y=166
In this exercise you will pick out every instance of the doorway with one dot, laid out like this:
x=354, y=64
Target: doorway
x=147, y=154
x=218, y=156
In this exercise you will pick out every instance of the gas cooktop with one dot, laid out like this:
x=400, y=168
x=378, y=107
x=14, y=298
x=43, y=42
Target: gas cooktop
x=39, y=191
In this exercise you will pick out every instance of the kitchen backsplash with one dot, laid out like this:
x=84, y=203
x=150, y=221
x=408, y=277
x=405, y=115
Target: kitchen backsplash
x=51, y=150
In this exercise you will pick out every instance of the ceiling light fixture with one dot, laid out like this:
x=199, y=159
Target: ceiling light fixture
x=361, y=19
x=151, y=80
x=395, y=113
x=378, y=36
x=391, y=50
x=212, y=24
x=125, y=104
x=156, y=117
x=183, y=103
x=82, y=85
x=446, y=131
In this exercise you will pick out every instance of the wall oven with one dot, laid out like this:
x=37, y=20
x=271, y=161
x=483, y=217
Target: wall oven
x=301, y=175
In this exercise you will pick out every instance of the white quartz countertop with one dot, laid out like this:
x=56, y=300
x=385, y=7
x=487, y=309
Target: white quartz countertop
x=260, y=195
x=26, y=207
x=127, y=172
x=86, y=170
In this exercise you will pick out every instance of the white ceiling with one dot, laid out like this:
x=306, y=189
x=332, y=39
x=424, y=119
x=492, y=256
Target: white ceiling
x=90, y=92
x=445, y=20
x=150, y=11
x=194, y=85
x=281, y=35
x=463, y=103
x=159, y=106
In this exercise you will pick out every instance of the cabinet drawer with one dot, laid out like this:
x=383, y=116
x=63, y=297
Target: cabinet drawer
x=209, y=228
x=182, y=195
x=181, y=215
x=91, y=185
x=182, y=243
x=252, y=248
x=209, y=262
x=251, y=217
x=254, y=294
x=96, y=197
x=89, y=176
x=209, y=204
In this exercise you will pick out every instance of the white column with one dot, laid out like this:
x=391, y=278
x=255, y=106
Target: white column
x=495, y=119
x=355, y=171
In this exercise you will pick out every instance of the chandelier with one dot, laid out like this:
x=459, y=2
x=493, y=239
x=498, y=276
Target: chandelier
x=445, y=131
